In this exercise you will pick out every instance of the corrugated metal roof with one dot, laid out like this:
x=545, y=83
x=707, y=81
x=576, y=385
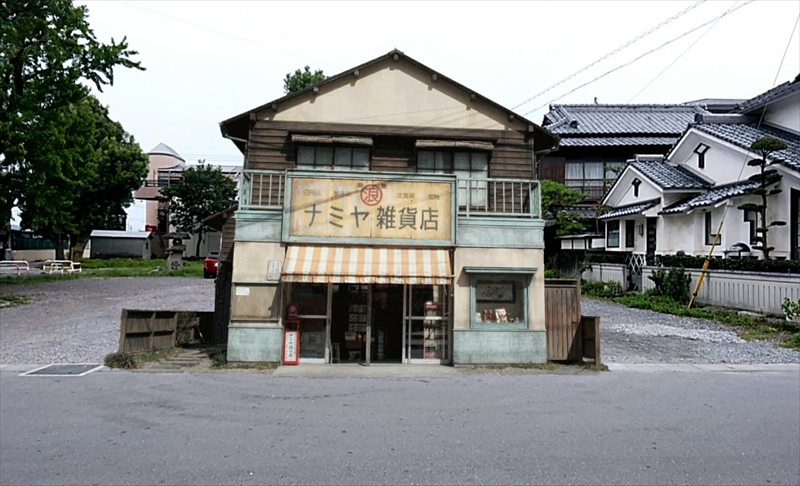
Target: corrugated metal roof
x=566, y=120
x=713, y=196
x=629, y=209
x=120, y=234
x=669, y=176
x=743, y=135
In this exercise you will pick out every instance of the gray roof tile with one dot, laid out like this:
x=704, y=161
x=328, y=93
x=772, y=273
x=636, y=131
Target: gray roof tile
x=616, y=141
x=768, y=97
x=713, y=196
x=629, y=209
x=669, y=176
x=742, y=135
x=567, y=120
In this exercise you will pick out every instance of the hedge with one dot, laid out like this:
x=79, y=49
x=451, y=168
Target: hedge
x=747, y=264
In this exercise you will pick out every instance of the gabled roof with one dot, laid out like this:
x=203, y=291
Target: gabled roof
x=668, y=176
x=771, y=96
x=627, y=210
x=615, y=141
x=164, y=149
x=543, y=138
x=744, y=134
x=640, y=120
x=712, y=197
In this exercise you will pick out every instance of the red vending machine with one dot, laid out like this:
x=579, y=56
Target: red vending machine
x=291, y=336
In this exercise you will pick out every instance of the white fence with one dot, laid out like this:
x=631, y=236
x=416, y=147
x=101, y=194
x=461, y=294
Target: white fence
x=753, y=291
x=607, y=272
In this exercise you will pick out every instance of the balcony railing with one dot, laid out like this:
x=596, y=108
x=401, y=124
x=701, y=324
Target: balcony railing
x=516, y=198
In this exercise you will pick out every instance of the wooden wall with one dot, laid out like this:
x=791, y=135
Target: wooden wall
x=270, y=146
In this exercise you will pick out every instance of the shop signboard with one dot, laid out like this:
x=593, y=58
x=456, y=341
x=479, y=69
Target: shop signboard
x=352, y=208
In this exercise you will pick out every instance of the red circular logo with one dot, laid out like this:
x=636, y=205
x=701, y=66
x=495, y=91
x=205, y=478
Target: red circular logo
x=371, y=195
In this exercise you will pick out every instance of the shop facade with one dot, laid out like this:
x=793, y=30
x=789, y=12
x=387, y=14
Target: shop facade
x=400, y=239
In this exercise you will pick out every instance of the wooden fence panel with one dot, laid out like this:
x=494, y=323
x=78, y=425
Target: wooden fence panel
x=562, y=319
x=142, y=331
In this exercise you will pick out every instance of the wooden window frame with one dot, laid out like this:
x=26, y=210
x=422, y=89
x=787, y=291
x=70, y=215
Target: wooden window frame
x=316, y=147
x=609, y=231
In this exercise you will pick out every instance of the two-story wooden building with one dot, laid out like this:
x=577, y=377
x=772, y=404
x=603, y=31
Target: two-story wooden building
x=396, y=207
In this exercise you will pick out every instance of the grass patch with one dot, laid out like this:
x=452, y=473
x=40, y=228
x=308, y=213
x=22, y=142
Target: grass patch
x=12, y=300
x=130, y=361
x=115, y=267
x=747, y=328
x=150, y=356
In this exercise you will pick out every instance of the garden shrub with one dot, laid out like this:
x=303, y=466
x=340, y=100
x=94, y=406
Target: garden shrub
x=673, y=284
x=120, y=360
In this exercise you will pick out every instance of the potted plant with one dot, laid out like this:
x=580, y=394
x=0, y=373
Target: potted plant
x=791, y=309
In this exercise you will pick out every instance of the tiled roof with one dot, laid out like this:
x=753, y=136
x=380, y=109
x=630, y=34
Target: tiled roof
x=580, y=211
x=769, y=96
x=713, y=196
x=225, y=169
x=669, y=176
x=629, y=209
x=742, y=135
x=569, y=120
x=616, y=141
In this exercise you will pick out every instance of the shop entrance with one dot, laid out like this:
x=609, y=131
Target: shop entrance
x=403, y=323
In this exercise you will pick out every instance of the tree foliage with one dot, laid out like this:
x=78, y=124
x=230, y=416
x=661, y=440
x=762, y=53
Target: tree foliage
x=203, y=191
x=766, y=179
x=47, y=50
x=556, y=197
x=300, y=80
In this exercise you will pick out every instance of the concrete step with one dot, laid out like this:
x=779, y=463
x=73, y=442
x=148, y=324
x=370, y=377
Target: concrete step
x=181, y=359
x=157, y=369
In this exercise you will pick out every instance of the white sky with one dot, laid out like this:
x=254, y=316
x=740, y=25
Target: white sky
x=208, y=61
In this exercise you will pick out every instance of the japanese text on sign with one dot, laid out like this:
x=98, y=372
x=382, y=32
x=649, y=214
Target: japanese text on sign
x=368, y=209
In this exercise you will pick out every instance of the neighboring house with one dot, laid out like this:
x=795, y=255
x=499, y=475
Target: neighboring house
x=676, y=204
x=398, y=210
x=120, y=244
x=166, y=166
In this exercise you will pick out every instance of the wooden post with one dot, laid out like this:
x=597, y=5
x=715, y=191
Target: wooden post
x=369, y=324
x=123, y=330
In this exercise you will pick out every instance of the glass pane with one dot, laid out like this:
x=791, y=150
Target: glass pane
x=425, y=162
x=593, y=170
x=312, y=338
x=573, y=170
x=324, y=157
x=342, y=157
x=360, y=159
x=500, y=300
x=461, y=162
x=480, y=164
x=444, y=162
x=305, y=155
x=613, y=170
x=427, y=338
x=312, y=298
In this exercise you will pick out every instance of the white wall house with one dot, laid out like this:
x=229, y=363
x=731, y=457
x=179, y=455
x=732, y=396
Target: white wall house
x=675, y=204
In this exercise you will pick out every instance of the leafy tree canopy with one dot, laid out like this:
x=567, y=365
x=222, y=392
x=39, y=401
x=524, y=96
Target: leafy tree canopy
x=556, y=196
x=47, y=49
x=300, y=80
x=203, y=191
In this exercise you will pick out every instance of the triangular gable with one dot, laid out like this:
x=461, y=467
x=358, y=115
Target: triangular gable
x=621, y=192
x=393, y=89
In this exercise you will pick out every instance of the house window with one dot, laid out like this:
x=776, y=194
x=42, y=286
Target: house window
x=332, y=158
x=499, y=297
x=592, y=178
x=465, y=165
x=710, y=231
x=629, y=232
x=751, y=217
x=612, y=234
x=701, y=150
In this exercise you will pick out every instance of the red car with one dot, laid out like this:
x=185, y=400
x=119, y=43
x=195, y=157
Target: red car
x=210, y=264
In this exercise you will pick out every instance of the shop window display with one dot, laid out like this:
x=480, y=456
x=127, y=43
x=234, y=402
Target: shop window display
x=499, y=300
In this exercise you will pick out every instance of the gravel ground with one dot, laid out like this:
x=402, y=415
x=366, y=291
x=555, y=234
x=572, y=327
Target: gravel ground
x=74, y=321
x=641, y=336
x=77, y=321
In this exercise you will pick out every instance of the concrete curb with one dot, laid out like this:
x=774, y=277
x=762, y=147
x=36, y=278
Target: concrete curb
x=702, y=368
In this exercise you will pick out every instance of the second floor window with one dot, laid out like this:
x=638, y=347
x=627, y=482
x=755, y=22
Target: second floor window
x=332, y=158
x=466, y=165
x=592, y=178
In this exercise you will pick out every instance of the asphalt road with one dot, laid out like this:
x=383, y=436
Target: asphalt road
x=619, y=427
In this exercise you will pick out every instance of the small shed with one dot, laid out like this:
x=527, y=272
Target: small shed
x=115, y=244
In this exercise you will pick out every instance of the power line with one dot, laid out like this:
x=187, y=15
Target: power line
x=618, y=49
x=226, y=34
x=733, y=9
x=679, y=56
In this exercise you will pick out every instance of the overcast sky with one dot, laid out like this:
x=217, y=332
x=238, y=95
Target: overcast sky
x=208, y=61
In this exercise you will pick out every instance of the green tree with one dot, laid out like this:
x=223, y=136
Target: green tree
x=555, y=197
x=300, y=80
x=766, y=178
x=203, y=191
x=105, y=165
x=47, y=49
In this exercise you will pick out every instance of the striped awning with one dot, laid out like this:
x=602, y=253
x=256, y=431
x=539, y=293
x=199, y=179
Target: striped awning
x=337, y=264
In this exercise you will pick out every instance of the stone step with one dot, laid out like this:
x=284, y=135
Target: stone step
x=157, y=369
x=181, y=359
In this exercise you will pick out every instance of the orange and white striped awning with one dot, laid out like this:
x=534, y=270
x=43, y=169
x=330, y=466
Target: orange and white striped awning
x=336, y=264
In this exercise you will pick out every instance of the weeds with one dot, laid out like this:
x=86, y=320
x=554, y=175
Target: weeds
x=13, y=300
x=123, y=361
x=116, y=267
x=219, y=359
